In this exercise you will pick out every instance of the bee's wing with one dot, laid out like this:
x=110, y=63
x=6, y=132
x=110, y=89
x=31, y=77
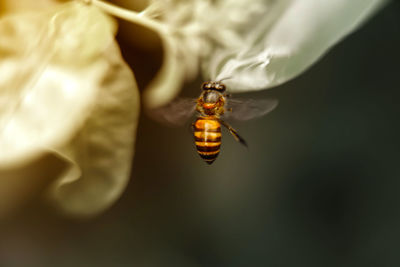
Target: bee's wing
x=175, y=113
x=246, y=109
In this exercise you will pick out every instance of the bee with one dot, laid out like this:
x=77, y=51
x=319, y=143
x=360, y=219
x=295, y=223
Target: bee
x=213, y=106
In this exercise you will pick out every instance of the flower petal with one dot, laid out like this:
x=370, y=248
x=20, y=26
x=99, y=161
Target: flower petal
x=169, y=79
x=39, y=83
x=288, y=39
x=102, y=151
x=63, y=80
x=180, y=62
x=11, y=6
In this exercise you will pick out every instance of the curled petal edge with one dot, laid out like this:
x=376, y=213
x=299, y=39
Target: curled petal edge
x=281, y=49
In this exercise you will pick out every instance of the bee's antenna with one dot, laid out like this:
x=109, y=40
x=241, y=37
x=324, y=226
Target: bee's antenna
x=226, y=78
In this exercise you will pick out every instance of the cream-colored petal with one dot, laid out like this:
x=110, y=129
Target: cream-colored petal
x=27, y=181
x=12, y=6
x=179, y=63
x=101, y=153
x=39, y=85
x=169, y=80
x=61, y=74
x=290, y=37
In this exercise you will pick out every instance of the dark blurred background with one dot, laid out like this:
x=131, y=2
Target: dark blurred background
x=319, y=185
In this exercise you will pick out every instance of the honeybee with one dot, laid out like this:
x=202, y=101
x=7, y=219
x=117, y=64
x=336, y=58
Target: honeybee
x=213, y=106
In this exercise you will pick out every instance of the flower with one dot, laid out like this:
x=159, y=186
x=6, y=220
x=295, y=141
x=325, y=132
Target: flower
x=257, y=44
x=67, y=97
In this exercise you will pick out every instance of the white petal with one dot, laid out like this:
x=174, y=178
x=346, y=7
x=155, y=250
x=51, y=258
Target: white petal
x=180, y=55
x=102, y=152
x=288, y=39
x=61, y=75
x=45, y=71
x=11, y=6
x=169, y=79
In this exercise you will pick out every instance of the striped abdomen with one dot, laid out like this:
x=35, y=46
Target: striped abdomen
x=207, y=135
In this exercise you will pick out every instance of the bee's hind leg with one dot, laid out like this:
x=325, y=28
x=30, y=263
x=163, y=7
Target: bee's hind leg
x=234, y=133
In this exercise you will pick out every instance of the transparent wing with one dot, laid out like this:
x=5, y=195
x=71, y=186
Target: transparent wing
x=175, y=113
x=246, y=109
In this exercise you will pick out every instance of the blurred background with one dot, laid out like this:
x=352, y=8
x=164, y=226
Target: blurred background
x=318, y=186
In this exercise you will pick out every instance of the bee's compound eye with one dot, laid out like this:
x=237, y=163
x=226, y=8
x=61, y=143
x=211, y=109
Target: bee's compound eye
x=220, y=87
x=206, y=85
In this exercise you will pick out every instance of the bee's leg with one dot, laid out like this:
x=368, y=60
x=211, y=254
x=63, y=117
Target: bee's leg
x=227, y=96
x=234, y=133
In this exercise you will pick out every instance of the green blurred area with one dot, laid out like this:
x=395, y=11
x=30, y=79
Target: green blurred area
x=319, y=185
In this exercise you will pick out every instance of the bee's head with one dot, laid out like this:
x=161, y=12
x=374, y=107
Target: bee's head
x=217, y=86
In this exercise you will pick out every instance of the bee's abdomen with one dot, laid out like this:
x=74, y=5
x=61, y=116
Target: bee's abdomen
x=207, y=135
